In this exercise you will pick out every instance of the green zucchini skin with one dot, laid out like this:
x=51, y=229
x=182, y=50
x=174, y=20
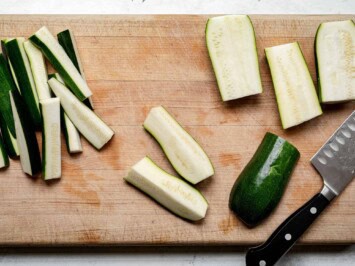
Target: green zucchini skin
x=7, y=123
x=65, y=40
x=261, y=184
x=23, y=77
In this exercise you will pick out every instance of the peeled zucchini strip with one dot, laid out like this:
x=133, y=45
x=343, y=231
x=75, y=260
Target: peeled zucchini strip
x=84, y=119
x=171, y=192
x=51, y=152
x=184, y=153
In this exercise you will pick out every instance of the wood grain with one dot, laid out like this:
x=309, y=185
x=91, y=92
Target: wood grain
x=133, y=63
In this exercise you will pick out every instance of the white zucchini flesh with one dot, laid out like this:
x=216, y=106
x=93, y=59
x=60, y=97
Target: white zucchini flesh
x=84, y=119
x=184, y=153
x=4, y=159
x=295, y=92
x=39, y=70
x=335, y=53
x=61, y=62
x=26, y=138
x=71, y=134
x=171, y=192
x=51, y=151
x=232, y=48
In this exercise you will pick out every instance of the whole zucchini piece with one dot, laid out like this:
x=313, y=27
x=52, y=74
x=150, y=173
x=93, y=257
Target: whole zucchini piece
x=260, y=186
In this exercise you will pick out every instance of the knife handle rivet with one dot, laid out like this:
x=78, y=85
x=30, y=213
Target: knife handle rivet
x=262, y=263
x=288, y=237
x=313, y=210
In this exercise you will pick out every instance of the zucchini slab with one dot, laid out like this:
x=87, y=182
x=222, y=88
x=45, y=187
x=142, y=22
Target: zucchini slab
x=7, y=123
x=23, y=74
x=56, y=55
x=84, y=119
x=71, y=134
x=295, y=92
x=232, y=48
x=26, y=136
x=4, y=53
x=39, y=70
x=184, y=153
x=335, y=57
x=51, y=152
x=171, y=192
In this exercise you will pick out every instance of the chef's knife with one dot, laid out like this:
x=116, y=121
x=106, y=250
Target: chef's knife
x=335, y=162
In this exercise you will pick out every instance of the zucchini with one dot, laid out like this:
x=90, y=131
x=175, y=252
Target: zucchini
x=26, y=136
x=173, y=193
x=7, y=123
x=261, y=184
x=84, y=119
x=335, y=52
x=39, y=70
x=71, y=134
x=67, y=41
x=23, y=74
x=232, y=48
x=295, y=92
x=51, y=153
x=4, y=159
x=184, y=153
x=56, y=55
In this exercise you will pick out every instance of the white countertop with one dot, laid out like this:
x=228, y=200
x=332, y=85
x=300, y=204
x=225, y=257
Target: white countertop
x=305, y=255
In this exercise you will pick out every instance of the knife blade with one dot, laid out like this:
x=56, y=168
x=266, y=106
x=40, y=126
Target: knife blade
x=335, y=162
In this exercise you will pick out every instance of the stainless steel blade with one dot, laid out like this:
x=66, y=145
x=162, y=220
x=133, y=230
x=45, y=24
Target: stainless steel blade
x=335, y=160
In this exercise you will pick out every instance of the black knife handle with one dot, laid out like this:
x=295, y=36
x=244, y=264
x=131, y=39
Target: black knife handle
x=286, y=235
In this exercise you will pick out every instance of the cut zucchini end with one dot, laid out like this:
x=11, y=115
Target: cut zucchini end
x=231, y=45
x=173, y=193
x=184, y=153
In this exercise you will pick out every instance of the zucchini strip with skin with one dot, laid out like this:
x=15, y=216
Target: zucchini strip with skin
x=56, y=55
x=23, y=74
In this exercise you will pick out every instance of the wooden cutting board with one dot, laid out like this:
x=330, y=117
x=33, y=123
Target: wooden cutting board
x=133, y=63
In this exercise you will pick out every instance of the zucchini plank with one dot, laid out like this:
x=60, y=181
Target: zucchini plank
x=232, y=48
x=56, y=55
x=335, y=57
x=184, y=153
x=171, y=192
x=84, y=119
x=295, y=92
x=23, y=74
x=39, y=70
x=51, y=152
x=7, y=123
x=67, y=41
x=261, y=184
x=71, y=134
x=26, y=136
